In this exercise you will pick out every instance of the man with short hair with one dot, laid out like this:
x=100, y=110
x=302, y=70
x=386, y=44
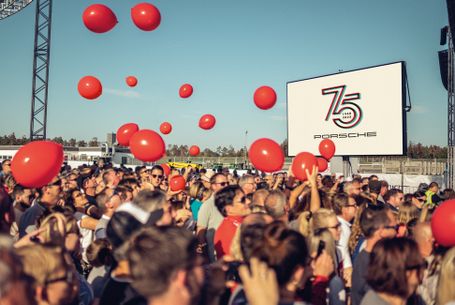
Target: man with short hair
x=50, y=195
x=276, y=205
x=376, y=224
x=22, y=201
x=259, y=197
x=108, y=201
x=89, y=186
x=394, y=198
x=165, y=266
x=352, y=188
x=231, y=203
x=153, y=201
x=247, y=184
x=209, y=218
x=110, y=178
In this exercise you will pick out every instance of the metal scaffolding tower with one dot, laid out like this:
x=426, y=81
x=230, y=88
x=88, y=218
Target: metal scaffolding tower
x=41, y=56
x=451, y=114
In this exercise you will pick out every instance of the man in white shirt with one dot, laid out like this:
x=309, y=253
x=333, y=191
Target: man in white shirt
x=345, y=208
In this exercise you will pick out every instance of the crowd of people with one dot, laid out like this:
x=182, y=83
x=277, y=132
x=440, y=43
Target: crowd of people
x=98, y=234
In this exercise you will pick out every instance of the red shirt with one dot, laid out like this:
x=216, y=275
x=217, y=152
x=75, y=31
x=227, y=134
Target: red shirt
x=225, y=233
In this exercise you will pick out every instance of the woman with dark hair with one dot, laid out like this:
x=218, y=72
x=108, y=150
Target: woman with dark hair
x=394, y=273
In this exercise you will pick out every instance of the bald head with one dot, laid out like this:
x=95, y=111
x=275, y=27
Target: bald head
x=276, y=205
x=259, y=197
x=424, y=238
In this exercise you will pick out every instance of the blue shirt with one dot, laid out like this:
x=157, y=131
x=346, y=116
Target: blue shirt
x=195, y=206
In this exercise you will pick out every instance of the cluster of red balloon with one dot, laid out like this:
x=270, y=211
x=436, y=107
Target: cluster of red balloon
x=177, y=183
x=146, y=145
x=37, y=163
x=266, y=155
x=305, y=161
x=99, y=18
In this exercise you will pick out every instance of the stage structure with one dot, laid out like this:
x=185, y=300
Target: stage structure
x=41, y=57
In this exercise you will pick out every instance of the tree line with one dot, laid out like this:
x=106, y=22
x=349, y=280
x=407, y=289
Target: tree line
x=415, y=150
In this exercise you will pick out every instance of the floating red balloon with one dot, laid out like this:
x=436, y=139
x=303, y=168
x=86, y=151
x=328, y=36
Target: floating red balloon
x=443, y=222
x=37, y=163
x=165, y=128
x=265, y=97
x=177, y=183
x=327, y=149
x=146, y=16
x=194, y=150
x=131, y=81
x=266, y=155
x=90, y=87
x=186, y=91
x=99, y=18
x=303, y=161
x=125, y=132
x=207, y=121
x=322, y=164
x=147, y=145
x=166, y=169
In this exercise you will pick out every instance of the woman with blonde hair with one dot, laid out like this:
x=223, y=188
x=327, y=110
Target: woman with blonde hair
x=198, y=194
x=309, y=223
x=407, y=213
x=445, y=291
x=55, y=281
x=323, y=237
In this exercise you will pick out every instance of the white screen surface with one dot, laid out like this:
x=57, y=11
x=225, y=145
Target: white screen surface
x=360, y=111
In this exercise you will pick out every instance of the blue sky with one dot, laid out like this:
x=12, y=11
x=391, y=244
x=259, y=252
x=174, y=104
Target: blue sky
x=225, y=49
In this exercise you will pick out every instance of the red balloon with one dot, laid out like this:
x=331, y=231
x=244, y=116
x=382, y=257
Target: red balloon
x=327, y=149
x=131, y=81
x=99, y=18
x=147, y=145
x=125, y=132
x=207, y=121
x=146, y=16
x=266, y=155
x=37, y=163
x=186, y=91
x=90, y=87
x=322, y=164
x=443, y=222
x=165, y=128
x=265, y=97
x=194, y=150
x=177, y=183
x=303, y=161
x=166, y=169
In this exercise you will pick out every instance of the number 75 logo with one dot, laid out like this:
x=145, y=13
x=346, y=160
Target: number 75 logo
x=345, y=113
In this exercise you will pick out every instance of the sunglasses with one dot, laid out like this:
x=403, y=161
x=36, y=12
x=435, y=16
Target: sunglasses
x=157, y=176
x=221, y=183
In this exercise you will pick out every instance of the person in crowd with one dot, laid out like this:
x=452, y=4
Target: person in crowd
x=198, y=194
x=49, y=197
x=276, y=205
x=6, y=168
x=394, y=272
x=176, y=274
x=407, y=214
x=247, y=184
x=375, y=190
x=210, y=218
x=337, y=293
x=432, y=195
x=376, y=224
x=445, y=293
x=352, y=188
x=345, y=208
x=99, y=255
x=110, y=178
x=156, y=176
x=394, y=198
x=108, y=201
x=55, y=282
x=231, y=203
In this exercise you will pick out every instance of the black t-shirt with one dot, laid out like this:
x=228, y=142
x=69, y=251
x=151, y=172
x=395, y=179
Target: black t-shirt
x=120, y=293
